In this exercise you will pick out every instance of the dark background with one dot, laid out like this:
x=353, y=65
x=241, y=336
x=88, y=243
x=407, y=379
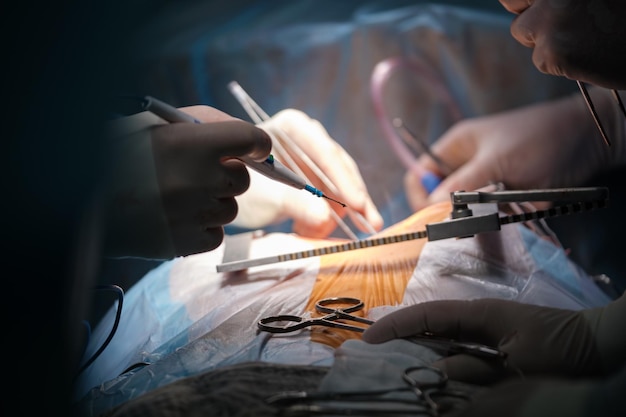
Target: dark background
x=59, y=60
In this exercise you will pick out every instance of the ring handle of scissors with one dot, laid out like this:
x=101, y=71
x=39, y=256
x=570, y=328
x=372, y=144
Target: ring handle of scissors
x=264, y=323
x=440, y=382
x=423, y=389
x=354, y=304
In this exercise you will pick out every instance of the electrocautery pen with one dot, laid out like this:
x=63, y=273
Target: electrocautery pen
x=270, y=167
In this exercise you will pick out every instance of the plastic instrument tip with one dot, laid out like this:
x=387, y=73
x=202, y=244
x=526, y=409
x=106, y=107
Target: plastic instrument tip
x=318, y=193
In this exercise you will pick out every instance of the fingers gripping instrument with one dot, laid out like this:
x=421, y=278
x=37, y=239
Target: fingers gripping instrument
x=270, y=167
x=463, y=222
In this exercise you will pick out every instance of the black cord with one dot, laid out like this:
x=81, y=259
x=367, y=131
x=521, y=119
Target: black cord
x=118, y=314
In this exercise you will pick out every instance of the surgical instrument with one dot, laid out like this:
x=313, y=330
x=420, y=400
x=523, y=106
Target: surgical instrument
x=463, y=222
x=427, y=384
x=592, y=110
x=289, y=323
x=379, y=81
x=594, y=114
x=330, y=319
x=270, y=167
x=429, y=388
x=429, y=180
x=281, y=141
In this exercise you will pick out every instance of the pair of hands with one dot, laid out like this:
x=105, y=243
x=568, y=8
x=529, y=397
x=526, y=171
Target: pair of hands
x=554, y=144
x=174, y=186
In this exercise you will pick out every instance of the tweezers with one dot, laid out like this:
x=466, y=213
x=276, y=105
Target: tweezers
x=594, y=114
x=282, y=140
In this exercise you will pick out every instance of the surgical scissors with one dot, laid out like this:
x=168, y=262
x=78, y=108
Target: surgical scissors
x=332, y=317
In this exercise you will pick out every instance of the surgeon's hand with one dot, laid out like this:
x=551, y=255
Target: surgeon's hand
x=269, y=202
x=547, y=145
x=173, y=186
x=537, y=340
x=579, y=39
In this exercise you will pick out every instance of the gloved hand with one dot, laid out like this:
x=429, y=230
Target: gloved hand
x=579, y=39
x=172, y=186
x=546, y=145
x=537, y=340
x=268, y=202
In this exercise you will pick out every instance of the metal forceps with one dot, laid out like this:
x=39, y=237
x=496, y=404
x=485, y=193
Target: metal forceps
x=428, y=386
x=594, y=114
x=331, y=319
x=281, y=141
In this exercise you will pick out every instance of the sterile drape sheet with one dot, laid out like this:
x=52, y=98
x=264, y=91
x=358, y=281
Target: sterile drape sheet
x=184, y=318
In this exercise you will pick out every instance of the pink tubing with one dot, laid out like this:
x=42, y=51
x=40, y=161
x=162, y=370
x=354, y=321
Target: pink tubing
x=382, y=72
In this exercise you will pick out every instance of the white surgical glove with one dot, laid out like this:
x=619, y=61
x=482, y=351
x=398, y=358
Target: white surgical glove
x=268, y=202
x=546, y=145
